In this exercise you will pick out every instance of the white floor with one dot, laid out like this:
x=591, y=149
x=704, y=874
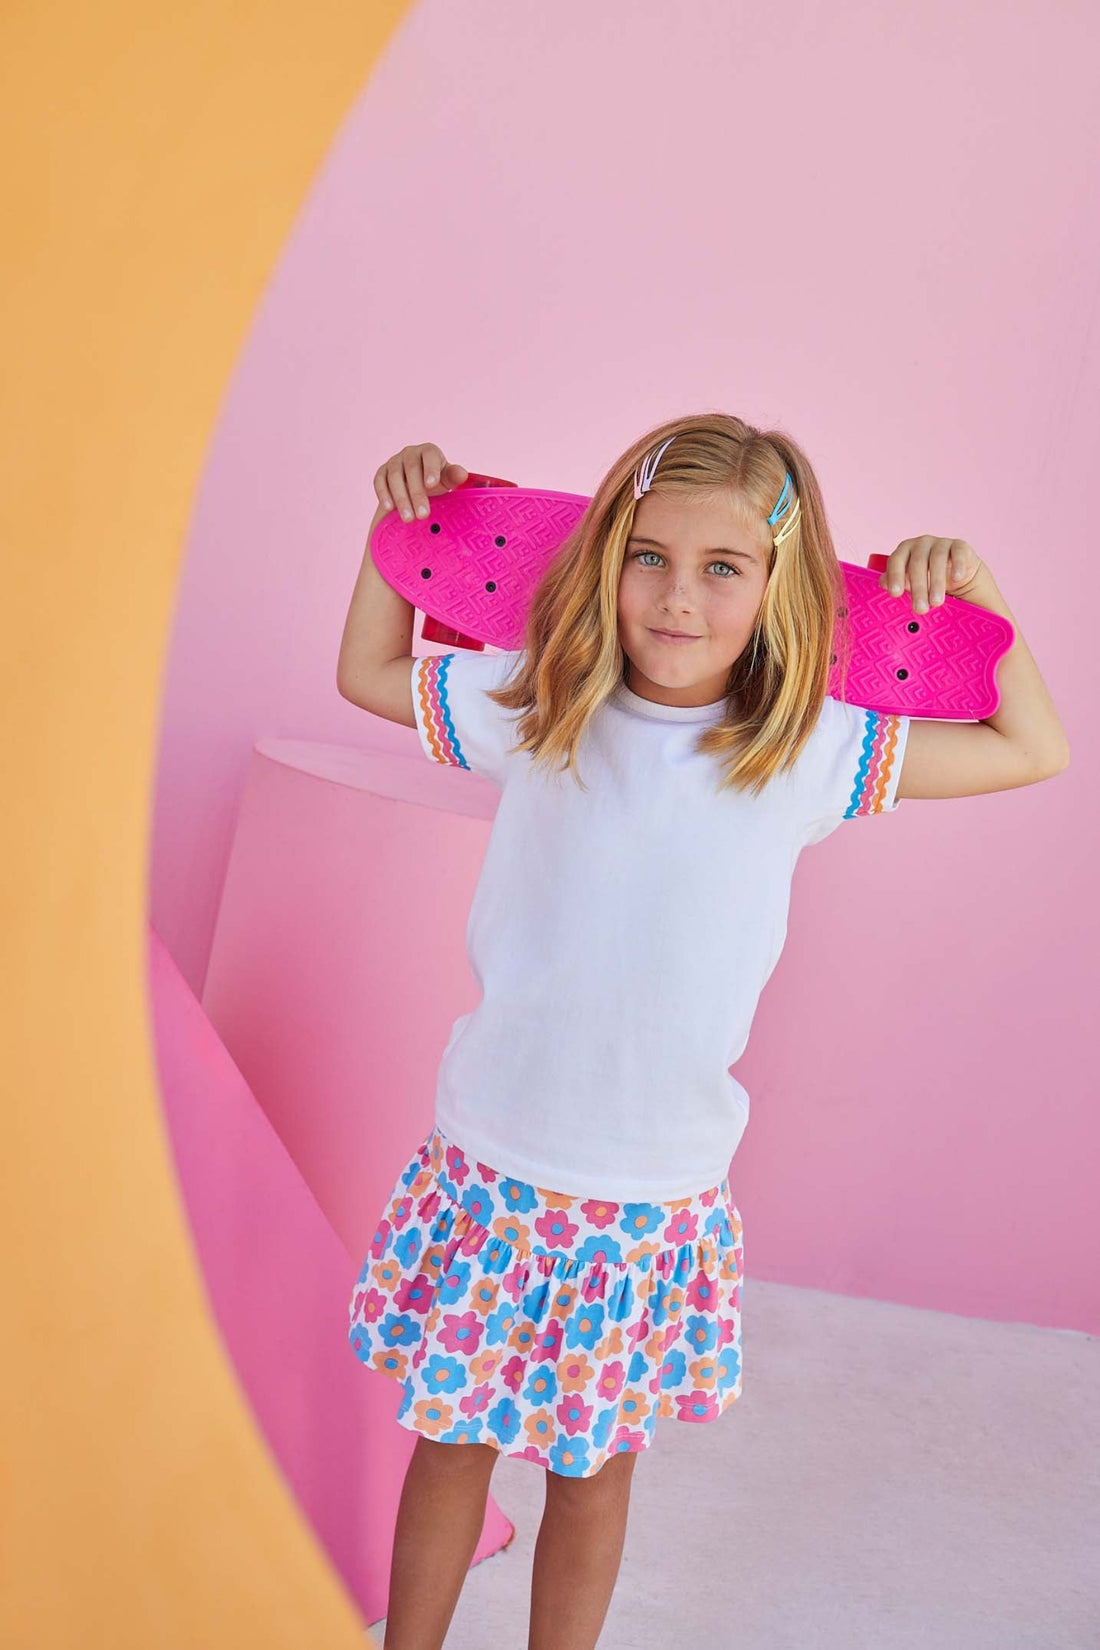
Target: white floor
x=890, y=1479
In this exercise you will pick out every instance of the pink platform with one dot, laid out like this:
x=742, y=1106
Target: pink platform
x=334, y=1003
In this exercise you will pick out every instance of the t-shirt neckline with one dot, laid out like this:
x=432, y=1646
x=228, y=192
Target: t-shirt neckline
x=631, y=701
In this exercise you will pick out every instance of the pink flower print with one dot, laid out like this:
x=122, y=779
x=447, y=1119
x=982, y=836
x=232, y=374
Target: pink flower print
x=555, y=1229
x=370, y=1305
x=486, y=1173
x=429, y=1203
x=514, y=1283
x=610, y=1383
x=533, y=1453
x=696, y=1406
x=414, y=1294
x=378, y=1242
x=461, y=1332
x=594, y=1287
x=401, y=1210
x=639, y=1330
x=600, y=1214
x=547, y=1344
x=574, y=1414
x=512, y=1373
x=710, y=1195
x=727, y=1331
x=457, y=1166
x=682, y=1228
x=702, y=1292
x=477, y=1401
x=625, y=1440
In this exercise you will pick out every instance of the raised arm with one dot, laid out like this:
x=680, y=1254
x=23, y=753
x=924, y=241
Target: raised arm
x=374, y=669
x=376, y=659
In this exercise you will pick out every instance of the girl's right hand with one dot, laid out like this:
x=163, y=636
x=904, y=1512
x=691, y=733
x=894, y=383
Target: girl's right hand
x=409, y=478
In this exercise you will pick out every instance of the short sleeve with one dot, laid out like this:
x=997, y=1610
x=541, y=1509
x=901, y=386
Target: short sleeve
x=457, y=724
x=852, y=766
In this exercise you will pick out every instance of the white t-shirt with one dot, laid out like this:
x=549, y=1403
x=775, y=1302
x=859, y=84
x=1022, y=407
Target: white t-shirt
x=621, y=936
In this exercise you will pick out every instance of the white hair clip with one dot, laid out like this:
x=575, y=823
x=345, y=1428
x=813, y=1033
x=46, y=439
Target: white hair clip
x=649, y=469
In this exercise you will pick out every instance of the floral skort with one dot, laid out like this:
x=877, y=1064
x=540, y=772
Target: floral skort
x=554, y=1328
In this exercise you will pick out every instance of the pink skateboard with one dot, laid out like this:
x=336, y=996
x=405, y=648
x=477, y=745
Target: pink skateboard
x=474, y=563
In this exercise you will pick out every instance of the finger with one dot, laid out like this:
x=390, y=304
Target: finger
x=381, y=487
x=434, y=464
x=918, y=573
x=414, y=476
x=961, y=559
x=395, y=475
x=894, y=576
x=454, y=474
x=937, y=572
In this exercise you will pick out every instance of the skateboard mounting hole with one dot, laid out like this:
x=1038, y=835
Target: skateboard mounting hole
x=500, y=539
x=912, y=625
x=832, y=658
x=901, y=675
x=491, y=586
x=436, y=528
x=842, y=612
x=425, y=572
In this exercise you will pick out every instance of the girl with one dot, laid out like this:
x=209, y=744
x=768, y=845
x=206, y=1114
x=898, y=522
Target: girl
x=560, y=1264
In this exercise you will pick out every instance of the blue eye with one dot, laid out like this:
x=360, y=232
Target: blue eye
x=639, y=553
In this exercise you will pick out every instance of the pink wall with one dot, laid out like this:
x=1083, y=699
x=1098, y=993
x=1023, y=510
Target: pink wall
x=538, y=233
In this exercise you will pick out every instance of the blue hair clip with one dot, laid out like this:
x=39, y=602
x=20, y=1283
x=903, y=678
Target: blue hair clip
x=777, y=512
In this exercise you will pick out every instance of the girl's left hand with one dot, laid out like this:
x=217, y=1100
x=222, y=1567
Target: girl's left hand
x=930, y=569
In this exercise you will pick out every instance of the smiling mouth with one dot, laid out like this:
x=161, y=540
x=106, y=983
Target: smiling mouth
x=677, y=635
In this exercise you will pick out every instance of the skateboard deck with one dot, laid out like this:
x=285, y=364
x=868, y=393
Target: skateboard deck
x=473, y=564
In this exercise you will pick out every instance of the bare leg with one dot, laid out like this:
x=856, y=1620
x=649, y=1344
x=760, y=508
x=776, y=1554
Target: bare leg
x=577, y=1555
x=439, y=1523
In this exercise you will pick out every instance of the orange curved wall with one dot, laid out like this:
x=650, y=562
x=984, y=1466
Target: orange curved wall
x=154, y=164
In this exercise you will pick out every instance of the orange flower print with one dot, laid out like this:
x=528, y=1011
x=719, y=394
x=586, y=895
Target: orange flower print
x=575, y=1372
x=433, y=1416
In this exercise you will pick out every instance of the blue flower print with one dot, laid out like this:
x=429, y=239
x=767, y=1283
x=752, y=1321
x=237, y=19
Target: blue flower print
x=478, y=1202
x=701, y=1333
x=468, y=1431
x=639, y=1219
x=593, y=1248
x=453, y=1286
x=399, y=1329
x=517, y=1196
x=542, y=1385
x=604, y=1425
x=584, y=1327
x=498, y=1325
x=496, y=1256
x=620, y=1302
x=441, y=1374
x=504, y=1420
x=639, y=1368
x=570, y=1456
x=674, y=1368
x=729, y=1367
x=406, y=1248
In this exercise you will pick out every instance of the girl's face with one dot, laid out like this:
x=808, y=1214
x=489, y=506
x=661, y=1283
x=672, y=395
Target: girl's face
x=692, y=567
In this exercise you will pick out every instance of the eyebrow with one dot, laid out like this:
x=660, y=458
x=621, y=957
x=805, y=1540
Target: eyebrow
x=719, y=550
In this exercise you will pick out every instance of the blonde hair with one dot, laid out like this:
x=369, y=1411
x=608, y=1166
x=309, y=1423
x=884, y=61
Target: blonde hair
x=572, y=658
